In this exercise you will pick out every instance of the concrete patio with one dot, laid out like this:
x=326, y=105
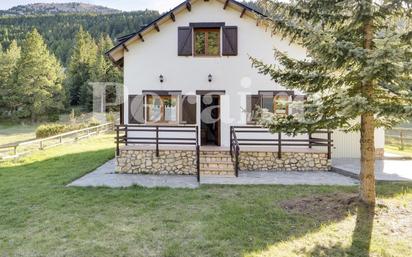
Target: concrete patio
x=104, y=176
x=385, y=170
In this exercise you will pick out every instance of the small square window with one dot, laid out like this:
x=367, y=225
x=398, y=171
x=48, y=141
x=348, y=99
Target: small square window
x=207, y=42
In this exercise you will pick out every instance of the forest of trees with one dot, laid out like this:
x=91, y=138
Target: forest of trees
x=59, y=31
x=47, y=61
x=34, y=84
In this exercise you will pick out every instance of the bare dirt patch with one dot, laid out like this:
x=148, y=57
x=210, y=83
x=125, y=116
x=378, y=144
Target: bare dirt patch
x=325, y=207
x=395, y=218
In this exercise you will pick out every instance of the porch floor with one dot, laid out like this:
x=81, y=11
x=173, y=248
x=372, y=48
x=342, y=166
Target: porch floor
x=209, y=148
x=104, y=176
x=385, y=170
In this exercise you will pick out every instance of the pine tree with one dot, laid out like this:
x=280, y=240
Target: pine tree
x=38, y=79
x=81, y=70
x=105, y=71
x=357, y=73
x=8, y=61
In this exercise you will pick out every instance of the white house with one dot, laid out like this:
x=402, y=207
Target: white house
x=194, y=61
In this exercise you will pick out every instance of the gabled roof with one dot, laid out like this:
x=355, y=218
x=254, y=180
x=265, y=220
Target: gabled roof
x=123, y=40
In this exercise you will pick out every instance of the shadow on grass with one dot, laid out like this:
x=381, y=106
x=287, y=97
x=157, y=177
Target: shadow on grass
x=361, y=237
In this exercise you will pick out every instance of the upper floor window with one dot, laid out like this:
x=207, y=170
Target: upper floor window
x=207, y=39
x=207, y=42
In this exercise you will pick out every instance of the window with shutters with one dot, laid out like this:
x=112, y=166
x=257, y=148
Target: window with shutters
x=207, y=42
x=201, y=40
x=253, y=103
x=161, y=109
x=281, y=105
x=277, y=104
x=188, y=109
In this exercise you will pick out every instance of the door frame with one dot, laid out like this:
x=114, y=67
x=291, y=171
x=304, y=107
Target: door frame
x=216, y=95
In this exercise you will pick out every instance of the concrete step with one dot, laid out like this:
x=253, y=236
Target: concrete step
x=218, y=153
x=213, y=174
x=213, y=159
x=218, y=171
x=206, y=166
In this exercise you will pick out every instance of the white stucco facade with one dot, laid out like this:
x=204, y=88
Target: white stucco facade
x=145, y=61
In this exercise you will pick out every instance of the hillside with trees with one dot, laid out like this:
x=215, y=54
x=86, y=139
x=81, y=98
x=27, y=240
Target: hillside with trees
x=57, y=8
x=59, y=31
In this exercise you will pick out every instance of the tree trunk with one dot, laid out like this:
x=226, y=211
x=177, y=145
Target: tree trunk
x=33, y=117
x=367, y=174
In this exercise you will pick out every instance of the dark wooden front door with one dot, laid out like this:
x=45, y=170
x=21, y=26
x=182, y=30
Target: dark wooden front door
x=210, y=120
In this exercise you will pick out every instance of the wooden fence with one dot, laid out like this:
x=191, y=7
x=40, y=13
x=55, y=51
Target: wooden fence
x=16, y=150
x=400, y=137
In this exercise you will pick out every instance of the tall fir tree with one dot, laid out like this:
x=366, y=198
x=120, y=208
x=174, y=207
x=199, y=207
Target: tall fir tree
x=38, y=79
x=105, y=71
x=357, y=73
x=9, y=100
x=81, y=70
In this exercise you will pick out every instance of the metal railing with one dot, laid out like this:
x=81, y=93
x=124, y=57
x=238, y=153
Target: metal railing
x=279, y=142
x=234, y=149
x=15, y=150
x=156, y=138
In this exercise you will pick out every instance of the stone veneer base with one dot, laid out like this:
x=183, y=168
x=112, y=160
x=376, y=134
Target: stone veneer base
x=290, y=161
x=183, y=162
x=179, y=162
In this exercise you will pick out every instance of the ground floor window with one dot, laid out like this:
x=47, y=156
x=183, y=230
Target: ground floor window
x=278, y=104
x=281, y=105
x=274, y=103
x=161, y=109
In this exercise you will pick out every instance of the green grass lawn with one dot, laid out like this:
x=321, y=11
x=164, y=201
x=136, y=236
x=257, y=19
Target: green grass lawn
x=40, y=216
x=10, y=133
x=394, y=148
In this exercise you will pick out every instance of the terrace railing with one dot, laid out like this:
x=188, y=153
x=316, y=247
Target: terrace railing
x=279, y=141
x=234, y=149
x=155, y=135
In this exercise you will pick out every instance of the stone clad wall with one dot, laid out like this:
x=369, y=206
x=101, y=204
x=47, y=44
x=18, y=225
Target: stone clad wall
x=183, y=162
x=178, y=162
x=290, y=161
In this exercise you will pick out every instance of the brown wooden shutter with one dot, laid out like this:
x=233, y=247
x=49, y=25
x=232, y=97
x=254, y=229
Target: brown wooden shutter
x=188, y=109
x=184, y=39
x=298, y=98
x=136, y=109
x=251, y=102
x=229, y=41
x=122, y=114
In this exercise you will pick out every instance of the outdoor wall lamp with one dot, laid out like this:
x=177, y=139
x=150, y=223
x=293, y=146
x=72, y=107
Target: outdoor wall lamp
x=210, y=77
x=161, y=78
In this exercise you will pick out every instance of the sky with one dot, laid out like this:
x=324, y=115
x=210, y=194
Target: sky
x=124, y=5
